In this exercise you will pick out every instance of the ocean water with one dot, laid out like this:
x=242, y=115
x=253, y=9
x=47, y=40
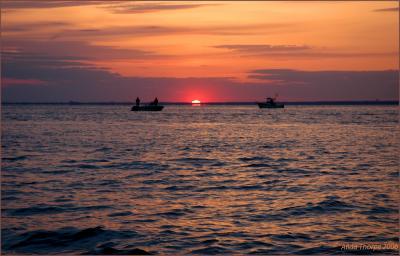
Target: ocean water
x=198, y=180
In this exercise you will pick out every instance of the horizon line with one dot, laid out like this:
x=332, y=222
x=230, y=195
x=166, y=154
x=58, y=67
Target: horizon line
x=317, y=102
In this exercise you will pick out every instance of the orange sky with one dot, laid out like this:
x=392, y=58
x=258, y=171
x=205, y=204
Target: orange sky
x=209, y=39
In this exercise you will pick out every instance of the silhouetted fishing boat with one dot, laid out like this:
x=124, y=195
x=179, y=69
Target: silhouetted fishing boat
x=147, y=108
x=270, y=103
x=153, y=106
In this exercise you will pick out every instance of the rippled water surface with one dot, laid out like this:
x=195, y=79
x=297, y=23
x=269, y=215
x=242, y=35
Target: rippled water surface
x=198, y=180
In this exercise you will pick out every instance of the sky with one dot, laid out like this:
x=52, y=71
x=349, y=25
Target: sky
x=91, y=51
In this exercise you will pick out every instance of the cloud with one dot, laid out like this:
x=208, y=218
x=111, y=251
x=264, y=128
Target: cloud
x=83, y=82
x=295, y=51
x=31, y=26
x=21, y=4
x=393, y=9
x=31, y=30
x=157, y=30
x=151, y=7
x=261, y=49
x=14, y=81
x=76, y=49
x=295, y=75
x=335, y=84
x=67, y=80
x=120, y=7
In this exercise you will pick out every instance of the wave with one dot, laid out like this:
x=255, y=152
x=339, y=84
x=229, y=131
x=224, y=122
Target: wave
x=212, y=250
x=53, y=209
x=113, y=251
x=141, y=165
x=14, y=159
x=255, y=158
x=321, y=250
x=380, y=210
x=331, y=205
x=120, y=214
x=291, y=237
x=69, y=239
x=258, y=165
x=198, y=162
x=180, y=188
x=175, y=213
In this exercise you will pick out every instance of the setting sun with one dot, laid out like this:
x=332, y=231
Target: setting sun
x=196, y=102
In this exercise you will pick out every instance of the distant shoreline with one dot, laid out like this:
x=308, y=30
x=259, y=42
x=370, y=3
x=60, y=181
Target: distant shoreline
x=390, y=102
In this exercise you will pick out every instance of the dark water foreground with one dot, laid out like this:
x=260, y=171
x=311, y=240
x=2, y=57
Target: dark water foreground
x=199, y=180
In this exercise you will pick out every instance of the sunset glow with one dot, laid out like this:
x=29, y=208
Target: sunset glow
x=301, y=50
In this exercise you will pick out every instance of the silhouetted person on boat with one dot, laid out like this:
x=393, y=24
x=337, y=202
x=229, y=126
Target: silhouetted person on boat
x=155, y=102
x=137, y=101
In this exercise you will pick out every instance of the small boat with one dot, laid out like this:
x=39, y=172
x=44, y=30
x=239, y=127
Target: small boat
x=147, y=108
x=270, y=103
